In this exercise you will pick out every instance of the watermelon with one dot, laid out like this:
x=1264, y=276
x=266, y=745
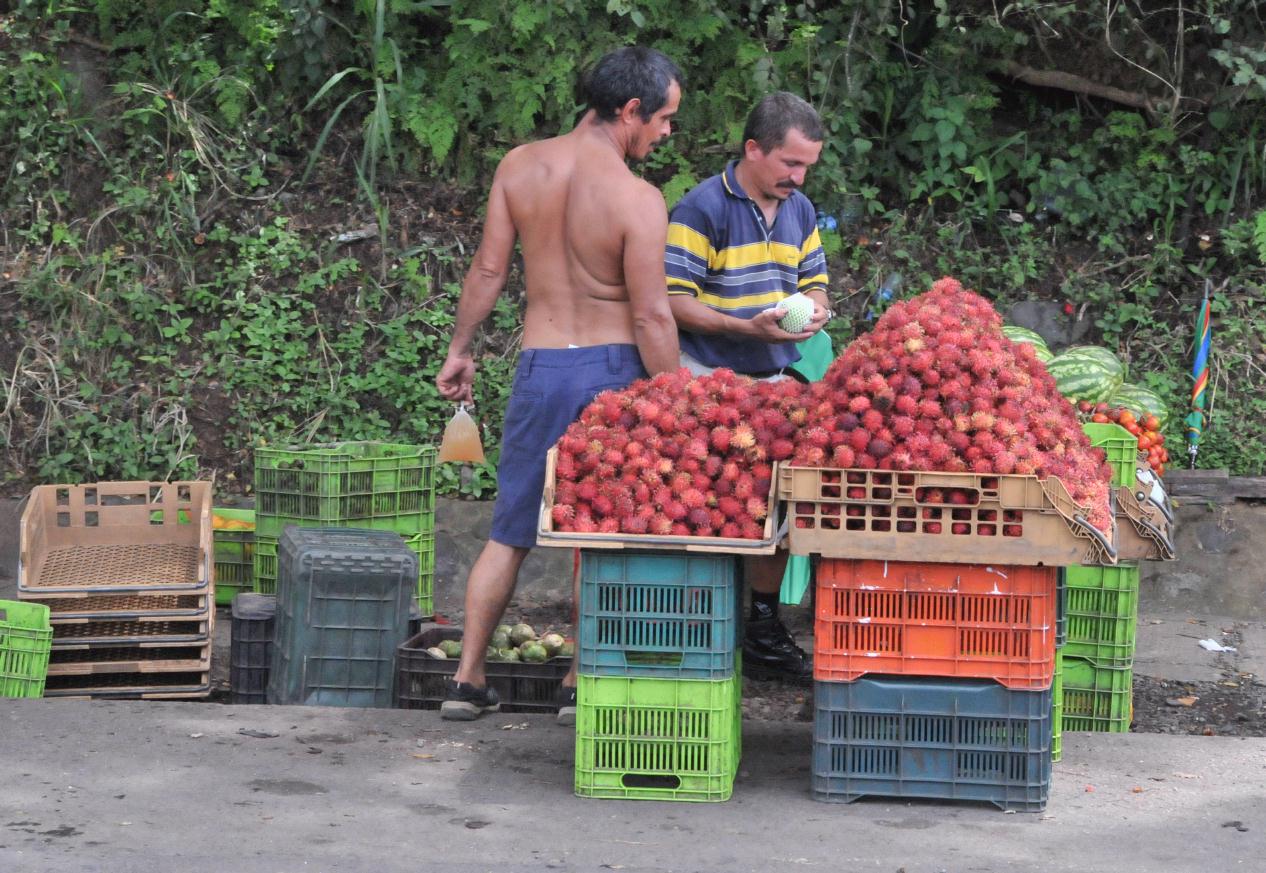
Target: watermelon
x=1018, y=334
x=1086, y=373
x=1141, y=401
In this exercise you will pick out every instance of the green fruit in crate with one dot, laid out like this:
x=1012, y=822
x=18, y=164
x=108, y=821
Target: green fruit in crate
x=508, y=655
x=490, y=654
x=502, y=629
x=521, y=633
x=1140, y=401
x=1018, y=334
x=451, y=648
x=567, y=650
x=501, y=640
x=1086, y=373
x=437, y=652
x=533, y=653
x=552, y=643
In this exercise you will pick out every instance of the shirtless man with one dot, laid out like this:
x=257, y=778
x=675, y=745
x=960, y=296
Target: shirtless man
x=592, y=236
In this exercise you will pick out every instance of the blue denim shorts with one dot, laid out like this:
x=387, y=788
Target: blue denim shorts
x=551, y=388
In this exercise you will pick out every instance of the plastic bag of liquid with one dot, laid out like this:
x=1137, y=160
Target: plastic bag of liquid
x=461, y=439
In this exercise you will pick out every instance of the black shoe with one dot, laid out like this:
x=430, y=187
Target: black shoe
x=465, y=702
x=566, y=700
x=769, y=652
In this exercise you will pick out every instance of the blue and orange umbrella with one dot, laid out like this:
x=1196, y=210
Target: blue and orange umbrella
x=1198, y=417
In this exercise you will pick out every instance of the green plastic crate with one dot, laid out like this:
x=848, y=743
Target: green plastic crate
x=423, y=545
x=234, y=556
x=378, y=486
x=1102, y=625
x=1119, y=445
x=26, y=638
x=1057, y=708
x=1122, y=577
x=1096, y=699
x=657, y=739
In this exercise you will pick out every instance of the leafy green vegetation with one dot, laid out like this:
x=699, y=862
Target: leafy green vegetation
x=227, y=222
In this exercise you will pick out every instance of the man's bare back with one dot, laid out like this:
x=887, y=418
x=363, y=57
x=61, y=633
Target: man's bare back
x=592, y=235
x=571, y=199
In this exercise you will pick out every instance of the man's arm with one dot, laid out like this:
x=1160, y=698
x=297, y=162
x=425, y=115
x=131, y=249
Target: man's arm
x=654, y=329
x=480, y=289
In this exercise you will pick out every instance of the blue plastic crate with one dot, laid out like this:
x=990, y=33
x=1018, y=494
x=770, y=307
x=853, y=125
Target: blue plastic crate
x=941, y=739
x=663, y=615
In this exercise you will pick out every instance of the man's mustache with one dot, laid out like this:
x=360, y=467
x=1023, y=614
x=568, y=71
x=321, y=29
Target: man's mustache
x=790, y=186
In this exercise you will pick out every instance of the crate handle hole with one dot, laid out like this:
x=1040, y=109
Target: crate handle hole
x=63, y=519
x=642, y=780
x=91, y=520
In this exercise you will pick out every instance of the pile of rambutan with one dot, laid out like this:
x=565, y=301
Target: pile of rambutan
x=934, y=386
x=676, y=455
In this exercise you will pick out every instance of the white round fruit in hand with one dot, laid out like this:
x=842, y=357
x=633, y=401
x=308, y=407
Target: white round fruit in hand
x=799, y=313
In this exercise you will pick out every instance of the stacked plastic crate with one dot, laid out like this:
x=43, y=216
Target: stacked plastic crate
x=935, y=629
x=1096, y=663
x=125, y=571
x=658, y=700
x=370, y=485
x=342, y=608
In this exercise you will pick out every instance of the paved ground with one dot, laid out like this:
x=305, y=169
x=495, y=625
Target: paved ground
x=172, y=786
x=158, y=786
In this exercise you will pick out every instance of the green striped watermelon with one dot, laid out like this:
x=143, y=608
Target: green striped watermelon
x=1141, y=401
x=1018, y=334
x=1086, y=373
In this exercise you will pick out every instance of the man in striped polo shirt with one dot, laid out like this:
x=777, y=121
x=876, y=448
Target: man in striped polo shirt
x=738, y=244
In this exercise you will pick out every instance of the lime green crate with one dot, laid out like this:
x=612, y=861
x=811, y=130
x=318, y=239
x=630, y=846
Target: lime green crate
x=1120, y=446
x=1121, y=577
x=1102, y=625
x=1096, y=699
x=657, y=739
x=1057, y=708
x=423, y=545
x=26, y=638
x=234, y=555
x=381, y=486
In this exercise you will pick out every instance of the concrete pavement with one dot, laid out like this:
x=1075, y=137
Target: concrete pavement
x=175, y=786
x=135, y=786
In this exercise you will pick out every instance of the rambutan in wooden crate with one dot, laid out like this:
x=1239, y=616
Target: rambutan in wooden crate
x=115, y=538
x=546, y=535
x=909, y=516
x=1143, y=531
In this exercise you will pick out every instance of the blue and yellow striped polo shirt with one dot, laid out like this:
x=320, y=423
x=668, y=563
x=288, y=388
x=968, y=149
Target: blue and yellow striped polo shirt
x=721, y=251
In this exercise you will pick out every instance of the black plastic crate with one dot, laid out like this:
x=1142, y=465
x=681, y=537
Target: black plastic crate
x=251, y=647
x=522, y=687
x=343, y=603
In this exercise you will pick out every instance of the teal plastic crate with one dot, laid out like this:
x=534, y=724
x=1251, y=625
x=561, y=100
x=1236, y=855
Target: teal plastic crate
x=667, y=615
x=946, y=739
x=1120, y=447
x=374, y=485
x=657, y=739
x=422, y=545
x=234, y=554
x=1098, y=699
x=26, y=638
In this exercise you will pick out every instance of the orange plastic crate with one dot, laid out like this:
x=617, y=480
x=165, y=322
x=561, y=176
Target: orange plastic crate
x=930, y=619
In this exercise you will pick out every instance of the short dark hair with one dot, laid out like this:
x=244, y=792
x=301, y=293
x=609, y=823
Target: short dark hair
x=778, y=113
x=621, y=75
